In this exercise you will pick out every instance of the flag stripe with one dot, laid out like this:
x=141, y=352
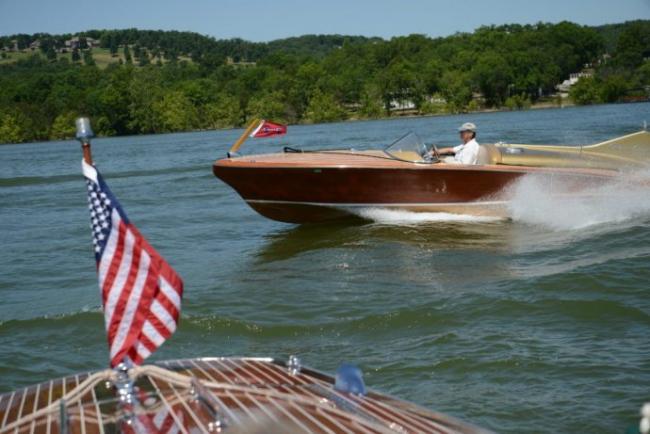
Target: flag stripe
x=142, y=351
x=118, y=271
x=135, y=330
x=148, y=344
x=133, y=294
x=110, y=250
x=150, y=333
x=162, y=329
x=122, y=285
x=164, y=302
x=172, y=294
x=163, y=315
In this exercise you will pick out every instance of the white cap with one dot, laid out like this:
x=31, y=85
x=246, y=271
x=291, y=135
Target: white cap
x=467, y=126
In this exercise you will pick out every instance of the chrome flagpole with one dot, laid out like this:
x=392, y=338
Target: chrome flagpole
x=84, y=134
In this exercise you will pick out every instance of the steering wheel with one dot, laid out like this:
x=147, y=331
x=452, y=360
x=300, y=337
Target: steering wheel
x=433, y=153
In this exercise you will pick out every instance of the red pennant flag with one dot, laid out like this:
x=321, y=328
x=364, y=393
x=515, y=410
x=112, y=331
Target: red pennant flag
x=269, y=129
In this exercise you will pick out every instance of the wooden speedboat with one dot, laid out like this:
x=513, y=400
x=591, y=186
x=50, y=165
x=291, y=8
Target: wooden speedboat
x=312, y=186
x=229, y=395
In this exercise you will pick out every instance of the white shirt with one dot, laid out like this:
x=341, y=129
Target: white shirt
x=467, y=153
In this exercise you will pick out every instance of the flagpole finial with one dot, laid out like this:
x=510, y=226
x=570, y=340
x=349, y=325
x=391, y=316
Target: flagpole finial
x=84, y=134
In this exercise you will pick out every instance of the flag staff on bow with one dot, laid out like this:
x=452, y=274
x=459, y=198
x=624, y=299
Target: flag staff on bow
x=240, y=141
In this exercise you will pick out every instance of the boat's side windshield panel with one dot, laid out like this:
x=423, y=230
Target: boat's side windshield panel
x=409, y=148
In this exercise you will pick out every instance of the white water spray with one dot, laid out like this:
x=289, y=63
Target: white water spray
x=544, y=201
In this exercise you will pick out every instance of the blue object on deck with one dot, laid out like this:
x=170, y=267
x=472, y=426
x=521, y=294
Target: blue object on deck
x=349, y=379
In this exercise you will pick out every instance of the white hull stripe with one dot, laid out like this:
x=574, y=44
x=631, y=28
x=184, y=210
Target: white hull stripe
x=381, y=205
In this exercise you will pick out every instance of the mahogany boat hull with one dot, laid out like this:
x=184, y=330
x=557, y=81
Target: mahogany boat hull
x=302, y=190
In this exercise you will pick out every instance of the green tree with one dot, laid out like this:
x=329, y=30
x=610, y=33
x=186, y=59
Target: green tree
x=493, y=76
x=269, y=106
x=111, y=100
x=518, y=102
x=75, y=55
x=144, y=58
x=371, y=104
x=127, y=54
x=436, y=104
x=113, y=47
x=50, y=53
x=585, y=91
x=633, y=45
x=224, y=112
x=457, y=90
x=63, y=126
x=175, y=112
x=397, y=83
x=324, y=108
x=643, y=73
x=144, y=90
x=103, y=127
x=613, y=88
x=88, y=58
x=10, y=129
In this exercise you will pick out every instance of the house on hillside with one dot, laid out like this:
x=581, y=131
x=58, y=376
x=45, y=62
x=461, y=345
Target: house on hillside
x=564, y=87
x=13, y=46
x=76, y=43
x=231, y=61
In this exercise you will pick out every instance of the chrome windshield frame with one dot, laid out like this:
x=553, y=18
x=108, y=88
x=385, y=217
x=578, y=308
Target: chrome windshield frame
x=416, y=146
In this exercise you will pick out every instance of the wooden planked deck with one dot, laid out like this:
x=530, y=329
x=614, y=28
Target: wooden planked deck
x=216, y=395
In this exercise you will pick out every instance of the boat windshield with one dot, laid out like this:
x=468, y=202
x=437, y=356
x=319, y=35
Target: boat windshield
x=410, y=148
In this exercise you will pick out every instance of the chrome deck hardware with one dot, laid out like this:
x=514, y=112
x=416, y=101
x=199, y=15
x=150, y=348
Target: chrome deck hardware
x=294, y=365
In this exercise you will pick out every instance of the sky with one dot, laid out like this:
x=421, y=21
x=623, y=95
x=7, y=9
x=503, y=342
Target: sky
x=258, y=20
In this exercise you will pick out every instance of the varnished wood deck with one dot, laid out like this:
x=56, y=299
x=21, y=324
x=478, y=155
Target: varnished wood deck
x=379, y=160
x=225, y=395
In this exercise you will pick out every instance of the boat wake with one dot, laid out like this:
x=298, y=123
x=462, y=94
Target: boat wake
x=538, y=201
x=402, y=217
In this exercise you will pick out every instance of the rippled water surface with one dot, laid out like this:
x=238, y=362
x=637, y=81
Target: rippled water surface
x=536, y=324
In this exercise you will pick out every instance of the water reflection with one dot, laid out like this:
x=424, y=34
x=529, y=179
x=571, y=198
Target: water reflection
x=296, y=240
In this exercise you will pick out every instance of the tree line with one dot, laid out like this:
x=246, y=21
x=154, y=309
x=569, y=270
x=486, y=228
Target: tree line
x=180, y=81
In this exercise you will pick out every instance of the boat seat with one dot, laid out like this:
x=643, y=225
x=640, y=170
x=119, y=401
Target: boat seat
x=488, y=154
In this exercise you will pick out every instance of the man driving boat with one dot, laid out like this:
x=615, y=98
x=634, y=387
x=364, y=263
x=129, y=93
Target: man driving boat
x=466, y=152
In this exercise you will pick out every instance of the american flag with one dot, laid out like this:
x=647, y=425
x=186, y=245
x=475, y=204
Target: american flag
x=141, y=293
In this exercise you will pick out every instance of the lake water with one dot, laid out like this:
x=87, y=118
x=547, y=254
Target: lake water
x=536, y=324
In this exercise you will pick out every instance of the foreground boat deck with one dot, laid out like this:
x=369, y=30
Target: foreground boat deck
x=223, y=395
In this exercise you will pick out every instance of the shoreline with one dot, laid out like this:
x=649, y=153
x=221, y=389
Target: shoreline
x=537, y=106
